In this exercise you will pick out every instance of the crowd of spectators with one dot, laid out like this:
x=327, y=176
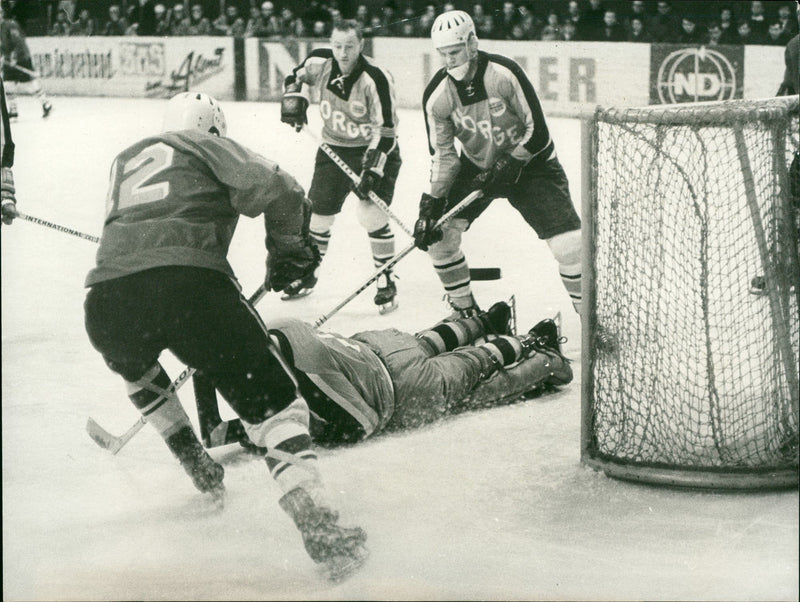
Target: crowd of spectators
x=710, y=23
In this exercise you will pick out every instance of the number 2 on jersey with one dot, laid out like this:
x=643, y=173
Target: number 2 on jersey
x=138, y=171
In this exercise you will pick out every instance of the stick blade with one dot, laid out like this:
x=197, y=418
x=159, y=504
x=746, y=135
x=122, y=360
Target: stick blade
x=99, y=435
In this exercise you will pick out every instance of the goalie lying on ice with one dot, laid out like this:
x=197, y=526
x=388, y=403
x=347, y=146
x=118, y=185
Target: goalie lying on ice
x=387, y=380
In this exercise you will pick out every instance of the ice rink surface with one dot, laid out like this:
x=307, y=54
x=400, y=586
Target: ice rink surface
x=488, y=505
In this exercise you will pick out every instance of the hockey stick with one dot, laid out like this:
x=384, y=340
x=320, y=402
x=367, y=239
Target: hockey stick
x=475, y=194
x=64, y=229
x=113, y=443
x=474, y=273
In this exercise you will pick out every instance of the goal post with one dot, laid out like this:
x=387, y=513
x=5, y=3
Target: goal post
x=691, y=321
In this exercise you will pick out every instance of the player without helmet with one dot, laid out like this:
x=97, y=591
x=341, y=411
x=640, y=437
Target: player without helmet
x=194, y=110
x=453, y=36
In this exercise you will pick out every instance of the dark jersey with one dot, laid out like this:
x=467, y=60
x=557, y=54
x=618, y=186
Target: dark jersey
x=13, y=46
x=175, y=199
x=358, y=109
x=497, y=112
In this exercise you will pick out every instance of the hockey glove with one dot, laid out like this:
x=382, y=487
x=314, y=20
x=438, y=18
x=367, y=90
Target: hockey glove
x=288, y=265
x=505, y=171
x=371, y=172
x=426, y=232
x=293, y=108
x=9, y=200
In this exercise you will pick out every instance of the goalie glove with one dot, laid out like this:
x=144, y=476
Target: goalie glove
x=426, y=232
x=505, y=171
x=289, y=264
x=293, y=108
x=7, y=194
x=371, y=172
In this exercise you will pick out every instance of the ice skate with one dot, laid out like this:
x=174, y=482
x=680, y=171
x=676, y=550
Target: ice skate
x=463, y=307
x=339, y=551
x=385, y=298
x=497, y=319
x=47, y=107
x=13, y=113
x=543, y=336
x=302, y=287
x=205, y=473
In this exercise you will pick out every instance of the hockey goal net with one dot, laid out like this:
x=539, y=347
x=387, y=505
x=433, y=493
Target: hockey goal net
x=691, y=332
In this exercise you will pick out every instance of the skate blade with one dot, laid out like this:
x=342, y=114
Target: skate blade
x=386, y=308
x=298, y=295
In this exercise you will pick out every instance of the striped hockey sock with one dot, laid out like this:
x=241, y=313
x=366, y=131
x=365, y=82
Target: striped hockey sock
x=382, y=243
x=164, y=412
x=453, y=271
x=322, y=239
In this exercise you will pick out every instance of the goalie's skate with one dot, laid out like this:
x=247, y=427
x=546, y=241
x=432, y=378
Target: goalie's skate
x=299, y=288
x=385, y=297
x=339, y=551
x=497, y=319
x=544, y=335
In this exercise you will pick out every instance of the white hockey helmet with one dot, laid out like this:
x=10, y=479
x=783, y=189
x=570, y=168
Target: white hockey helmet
x=452, y=27
x=194, y=111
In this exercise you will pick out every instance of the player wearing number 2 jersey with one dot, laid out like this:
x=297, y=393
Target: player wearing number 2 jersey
x=487, y=103
x=357, y=105
x=162, y=281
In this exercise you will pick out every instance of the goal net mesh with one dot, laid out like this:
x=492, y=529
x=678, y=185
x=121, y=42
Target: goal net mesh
x=693, y=308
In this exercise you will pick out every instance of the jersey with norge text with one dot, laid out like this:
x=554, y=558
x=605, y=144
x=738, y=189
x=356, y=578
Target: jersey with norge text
x=358, y=109
x=175, y=199
x=495, y=113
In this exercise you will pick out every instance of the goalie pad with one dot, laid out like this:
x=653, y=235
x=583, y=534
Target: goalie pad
x=506, y=386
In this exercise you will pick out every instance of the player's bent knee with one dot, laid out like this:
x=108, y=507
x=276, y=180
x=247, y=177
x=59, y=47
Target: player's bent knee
x=566, y=247
x=321, y=223
x=449, y=246
x=370, y=216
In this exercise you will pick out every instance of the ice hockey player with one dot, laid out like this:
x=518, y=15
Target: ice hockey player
x=357, y=105
x=163, y=281
x=488, y=103
x=17, y=63
x=9, y=199
x=387, y=380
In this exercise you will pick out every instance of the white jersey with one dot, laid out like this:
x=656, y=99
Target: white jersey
x=497, y=112
x=358, y=109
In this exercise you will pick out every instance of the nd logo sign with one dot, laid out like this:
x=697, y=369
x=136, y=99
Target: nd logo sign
x=696, y=74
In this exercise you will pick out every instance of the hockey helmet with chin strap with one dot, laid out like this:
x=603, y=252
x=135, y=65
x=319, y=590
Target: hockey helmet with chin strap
x=452, y=27
x=194, y=111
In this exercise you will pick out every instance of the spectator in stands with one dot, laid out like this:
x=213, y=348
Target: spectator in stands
x=758, y=22
x=637, y=10
x=637, y=31
x=426, y=20
x=726, y=24
x=713, y=35
x=745, y=33
x=531, y=26
x=574, y=16
x=593, y=22
x=362, y=16
x=199, y=25
x=179, y=22
x=690, y=32
x=320, y=29
x=162, y=20
x=484, y=24
x=568, y=31
x=612, y=30
x=552, y=30
x=389, y=18
x=787, y=21
x=665, y=26
x=116, y=24
x=60, y=25
x=289, y=24
x=142, y=14
x=776, y=36
x=84, y=26
x=229, y=23
x=505, y=23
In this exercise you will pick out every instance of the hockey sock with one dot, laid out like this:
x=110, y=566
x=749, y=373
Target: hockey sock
x=505, y=350
x=447, y=336
x=290, y=458
x=453, y=271
x=152, y=397
x=37, y=90
x=571, y=277
x=322, y=239
x=382, y=243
